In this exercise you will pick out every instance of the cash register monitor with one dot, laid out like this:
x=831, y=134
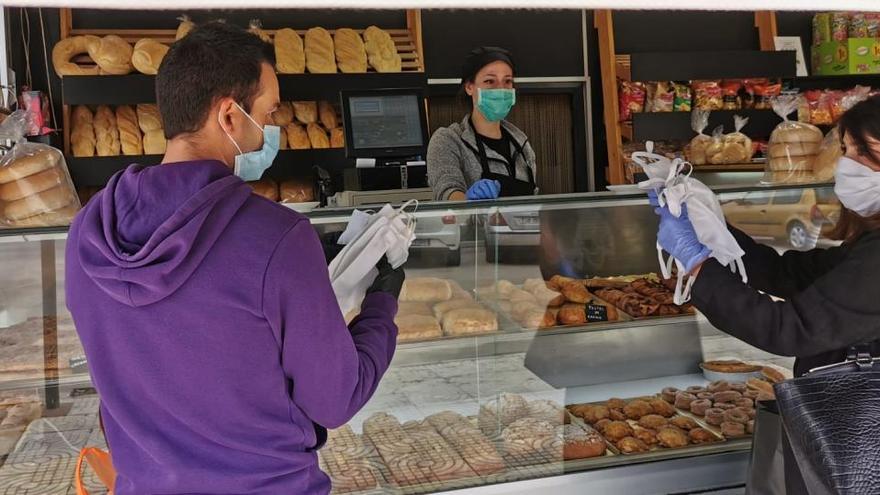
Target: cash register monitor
x=385, y=123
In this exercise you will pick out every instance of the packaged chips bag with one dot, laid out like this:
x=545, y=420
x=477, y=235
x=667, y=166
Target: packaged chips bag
x=632, y=99
x=793, y=146
x=683, y=97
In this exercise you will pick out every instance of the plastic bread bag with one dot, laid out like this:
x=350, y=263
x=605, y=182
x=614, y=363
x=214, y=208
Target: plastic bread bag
x=35, y=186
x=793, y=146
x=830, y=152
x=715, y=150
x=696, y=150
x=737, y=147
x=672, y=181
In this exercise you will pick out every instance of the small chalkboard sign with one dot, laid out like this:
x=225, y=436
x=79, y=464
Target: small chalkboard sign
x=597, y=312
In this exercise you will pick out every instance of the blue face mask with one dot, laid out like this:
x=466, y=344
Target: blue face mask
x=495, y=104
x=251, y=165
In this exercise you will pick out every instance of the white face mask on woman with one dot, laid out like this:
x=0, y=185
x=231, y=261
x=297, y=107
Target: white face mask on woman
x=857, y=187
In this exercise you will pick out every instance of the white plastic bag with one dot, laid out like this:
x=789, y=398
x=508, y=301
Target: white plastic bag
x=389, y=233
x=674, y=188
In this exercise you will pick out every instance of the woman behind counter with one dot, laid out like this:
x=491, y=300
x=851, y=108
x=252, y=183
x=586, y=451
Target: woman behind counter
x=483, y=156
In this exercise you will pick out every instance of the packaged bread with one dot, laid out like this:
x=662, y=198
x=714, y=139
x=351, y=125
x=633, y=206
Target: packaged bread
x=793, y=146
x=148, y=55
x=426, y=289
x=112, y=54
x=256, y=27
x=129, y=133
x=266, y=188
x=327, y=115
x=82, y=132
x=417, y=327
x=716, y=146
x=185, y=26
x=337, y=138
x=297, y=137
x=320, y=57
x=825, y=162
x=290, y=55
x=351, y=56
x=297, y=191
x=736, y=146
x=696, y=150
x=67, y=49
x=381, y=51
x=318, y=137
x=283, y=115
x=149, y=118
x=154, y=142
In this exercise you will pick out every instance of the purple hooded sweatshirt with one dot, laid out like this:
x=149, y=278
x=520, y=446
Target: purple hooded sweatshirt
x=213, y=336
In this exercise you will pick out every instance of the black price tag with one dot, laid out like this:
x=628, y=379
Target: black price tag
x=597, y=312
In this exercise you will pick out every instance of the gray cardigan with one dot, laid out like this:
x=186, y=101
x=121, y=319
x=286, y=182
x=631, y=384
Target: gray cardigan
x=453, y=164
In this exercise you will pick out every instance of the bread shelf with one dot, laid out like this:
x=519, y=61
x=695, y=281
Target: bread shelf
x=676, y=126
x=731, y=167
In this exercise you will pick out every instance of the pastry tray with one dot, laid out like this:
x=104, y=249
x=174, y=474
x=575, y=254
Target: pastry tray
x=705, y=424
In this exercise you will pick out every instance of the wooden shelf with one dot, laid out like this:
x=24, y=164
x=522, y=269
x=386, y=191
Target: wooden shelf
x=626, y=130
x=731, y=167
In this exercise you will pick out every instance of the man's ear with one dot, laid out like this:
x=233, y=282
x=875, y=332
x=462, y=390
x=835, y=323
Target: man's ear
x=226, y=114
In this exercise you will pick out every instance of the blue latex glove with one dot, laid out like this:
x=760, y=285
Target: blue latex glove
x=652, y=198
x=484, y=189
x=678, y=238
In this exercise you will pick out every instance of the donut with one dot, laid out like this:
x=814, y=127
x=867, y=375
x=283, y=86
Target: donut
x=750, y=427
x=700, y=406
x=724, y=405
x=683, y=400
x=751, y=394
x=745, y=403
x=736, y=416
x=728, y=396
x=714, y=416
x=719, y=386
x=706, y=396
x=752, y=412
x=696, y=390
x=668, y=394
x=739, y=387
x=729, y=429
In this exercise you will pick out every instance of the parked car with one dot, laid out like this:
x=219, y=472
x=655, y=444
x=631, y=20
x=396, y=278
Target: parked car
x=512, y=230
x=441, y=234
x=796, y=216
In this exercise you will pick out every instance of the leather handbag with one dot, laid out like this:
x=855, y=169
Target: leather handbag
x=830, y=416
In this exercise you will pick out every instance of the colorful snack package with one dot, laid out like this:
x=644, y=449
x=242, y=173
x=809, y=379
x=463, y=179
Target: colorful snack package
x=632, y=99
x=683, y=98
x=858, y=25
x=730, y=94
x=708, y=95
x=764, y=95
x=839, y=26
x=661, y=97
x=821, y=28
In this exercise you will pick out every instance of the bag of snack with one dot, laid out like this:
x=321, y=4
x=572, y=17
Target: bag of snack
x=730, y=96
x=821, y=28
x=708, y=95
x=839, y=26
x=820, y=107
x=683, y=98
x=737, y=147
x=764, y=95
x=793, y=146
x=632, y=99
x=873, y=24
x=830, y=152
x=661, y=97
x=696, y=149
x=844, y=100
x=858, y=25
x=35, y=186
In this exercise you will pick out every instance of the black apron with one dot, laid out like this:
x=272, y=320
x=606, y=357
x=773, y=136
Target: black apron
x=510, y=185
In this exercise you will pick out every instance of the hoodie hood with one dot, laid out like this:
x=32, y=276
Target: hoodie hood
x=146, y=233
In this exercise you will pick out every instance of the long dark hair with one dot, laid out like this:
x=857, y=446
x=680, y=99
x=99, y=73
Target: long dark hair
x=860, y=123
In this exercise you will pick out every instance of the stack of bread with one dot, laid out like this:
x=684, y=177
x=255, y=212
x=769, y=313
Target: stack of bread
x=432, y=308
x=731, y=148
x=793, y=147
x=309, y=125
x=125, y=130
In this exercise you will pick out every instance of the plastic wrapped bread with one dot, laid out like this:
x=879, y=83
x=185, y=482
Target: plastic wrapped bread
x=793, y=146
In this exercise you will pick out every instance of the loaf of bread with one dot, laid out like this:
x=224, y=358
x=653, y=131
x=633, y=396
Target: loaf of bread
x=425, y=289
x=318, y=137
x=297, y=137
x=112, y=54
x=434, y=454
x=290, y=56
x=529, y=441
x=256, y=27
x=781, y=150
x=82, y=134
x=381, y=51
x=793, y=164
x=282, y=139
x=337, y=138
x=476, y=450
x=154, y=142
x=796, y=132
x=148, y=55
x=266, y=188
x=149, y=118
x=414, y=308
x=29, y=165
x=306, y=112
x=283, y=115
x=351, y=56
x=65, y=50
x=417, y=327
x=32, y=184
x=327, y=114
x=469, y=321
x=129, y=133
x=106, y=132
x=55, y=218
x=320, y=57
x=46, y=201
x=297, y=191
x=185, y=26
x=444, y=307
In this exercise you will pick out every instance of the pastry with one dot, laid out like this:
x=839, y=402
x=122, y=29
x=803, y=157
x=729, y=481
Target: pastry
x=318, y=137
x=683, y=400
x=266, y=188
x=32, y=184
x=469, y=321
x=154, y=142
x=580, y=442
x=548, y=411
x=546, y=296
x=575, y=292
x=283, y=115
x=112, y=54
x=528, y=440
x=415, y=327
x=444, y=307
x=106, y=132
x=661, y=407
x=760, y=386
x=381, y=51
x=751, y=394
x=646, y=435
x=129, y=134
x=601, y=424
x=631, y=445
x=297, y=191
x=731, y=429
x=719, y=386
x=29, y=165
x=615, y=403
x=745, y=403
x=327, y=115
x=572, y=314
x=65, y=50
x=306, y=112
x=730, y=366
x=715, y=416
x=185, y=26
x=46, y=201
x=82, y=134
x=148, y=117
x=617, y=415
x=534, y=318
x=739, y=387
x=617, y=430
x=255, y=27
x=727, y=396
x=290, y=56
x=668, y=394
x=297, y=137
x=351, y=56
x=653, y=421
x=432, y=454
x=724, y=405
x=700, y=406
x=320, y=58
x=337, y=138
x=426, y=289
x=772, y=375
x=701, y=435
x=592, y=414
x=672, y=438
x=498, y=414
x=476, y=450
x=696, y=390
x=636, y=409
x=706, y=396
x=737, y=415
x=147, y=56
x=683, y=422
x=519, y=296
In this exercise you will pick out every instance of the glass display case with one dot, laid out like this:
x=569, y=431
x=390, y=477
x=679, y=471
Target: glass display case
x=520, y=319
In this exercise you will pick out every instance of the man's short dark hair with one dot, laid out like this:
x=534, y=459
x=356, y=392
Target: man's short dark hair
x=213, y=61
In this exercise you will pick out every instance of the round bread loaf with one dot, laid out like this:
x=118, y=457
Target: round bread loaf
x=793, y=164
x=29, y=165
x=796, y=132
x=32, y=184
x=36, y=204
x=781, y=150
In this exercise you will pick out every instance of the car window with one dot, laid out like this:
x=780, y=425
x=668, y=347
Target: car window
x=825, y=196
x=791, y=197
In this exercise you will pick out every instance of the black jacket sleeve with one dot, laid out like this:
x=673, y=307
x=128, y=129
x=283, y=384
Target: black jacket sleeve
x=784, y=275
x=838, y=309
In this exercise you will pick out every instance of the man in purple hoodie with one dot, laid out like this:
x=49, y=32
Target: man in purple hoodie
x=213, y=336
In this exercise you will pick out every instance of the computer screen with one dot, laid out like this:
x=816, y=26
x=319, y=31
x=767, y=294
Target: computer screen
x=384, y=123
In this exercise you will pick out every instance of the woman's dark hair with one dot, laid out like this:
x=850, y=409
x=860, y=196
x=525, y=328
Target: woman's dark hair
x=213, y=61
x=862, y=124
x=476, y=60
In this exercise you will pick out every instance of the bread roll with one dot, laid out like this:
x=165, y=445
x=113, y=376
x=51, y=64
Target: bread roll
x=65, y=50
x=82, y=133
x=327, y=114
x=112, y=54
x=796, y=132
x=32, y=184
x=320, y=58
x=41, y=202
x=29, y=165
x=149, y=118
x=297, y=137
x=426, y=289
x=283, y=115
x=318, y=137
x=63, y=216
x=351, y=56
x=414, y=308
x=290, y=56
x=282, y=139
x=467, y=321
x=82, y=115
x=797, y=163
x=185, y=26
x=417, y=327
x=129, y=133
x=337, y=138
x=256, y=27
x=106, y=132
x=779, y=150
x=266, y=188
x=297, y=191
x=381, y=52
x=444, y=307
x=305, y=111
x=154, y=142
x=148, y=55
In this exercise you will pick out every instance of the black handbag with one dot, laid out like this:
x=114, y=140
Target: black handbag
x=832, y=418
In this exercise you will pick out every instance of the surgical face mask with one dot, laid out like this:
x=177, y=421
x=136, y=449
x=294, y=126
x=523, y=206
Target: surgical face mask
x=251, y=165
x=857, y=187
x=495, y=104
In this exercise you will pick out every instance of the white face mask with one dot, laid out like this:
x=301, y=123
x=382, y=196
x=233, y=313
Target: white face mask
x=857, y=187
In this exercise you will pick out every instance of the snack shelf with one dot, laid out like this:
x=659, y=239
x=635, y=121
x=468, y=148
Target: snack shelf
x=676, y=126
x=700, y=65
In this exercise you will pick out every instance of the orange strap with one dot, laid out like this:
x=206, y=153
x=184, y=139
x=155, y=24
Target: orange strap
x=101, y=464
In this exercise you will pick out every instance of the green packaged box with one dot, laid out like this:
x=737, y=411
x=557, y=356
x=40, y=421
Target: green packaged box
x=853, y=56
